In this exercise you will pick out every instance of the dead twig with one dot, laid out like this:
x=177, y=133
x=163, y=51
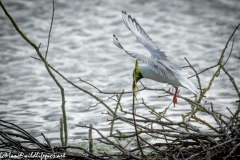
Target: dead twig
x=49, y=35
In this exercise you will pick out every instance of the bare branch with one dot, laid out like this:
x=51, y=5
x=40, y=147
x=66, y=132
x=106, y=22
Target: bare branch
x=49, y=35
x=230, y=52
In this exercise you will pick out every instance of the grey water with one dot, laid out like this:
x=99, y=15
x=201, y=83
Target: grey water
x=81, y=46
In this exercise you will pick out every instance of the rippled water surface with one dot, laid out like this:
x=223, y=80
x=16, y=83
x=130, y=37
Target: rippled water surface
x=81, y=46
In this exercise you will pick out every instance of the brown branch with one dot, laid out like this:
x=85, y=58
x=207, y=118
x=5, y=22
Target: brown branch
x=16, y=27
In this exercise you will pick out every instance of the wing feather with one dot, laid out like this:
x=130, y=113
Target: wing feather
x=148, y=43
x=156, y=65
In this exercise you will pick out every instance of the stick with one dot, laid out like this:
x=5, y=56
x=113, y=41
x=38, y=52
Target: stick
x=50, y=31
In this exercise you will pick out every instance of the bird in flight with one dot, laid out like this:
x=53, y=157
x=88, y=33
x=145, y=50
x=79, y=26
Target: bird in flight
x=157, y=67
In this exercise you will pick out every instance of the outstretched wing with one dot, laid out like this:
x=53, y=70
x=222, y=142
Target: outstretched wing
x=156, y=65
x=148, y=43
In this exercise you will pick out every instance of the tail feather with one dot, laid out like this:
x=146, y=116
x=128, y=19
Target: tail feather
x=189, y=85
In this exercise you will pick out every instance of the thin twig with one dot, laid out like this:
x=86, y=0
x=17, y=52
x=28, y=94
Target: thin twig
x=232, y=151
x=100, y=91
x=49, y=35
x=85, y=91
x=48, y=142
x=231, y=79
x=222, y=55
x=230, y=52
x=135, y=125
x=110, y=142
x=210, y=149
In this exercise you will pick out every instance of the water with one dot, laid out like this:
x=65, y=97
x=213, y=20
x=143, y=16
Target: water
x=81, y=46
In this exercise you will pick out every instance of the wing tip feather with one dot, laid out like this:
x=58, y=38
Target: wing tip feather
x=116, y=42
x=124, y=12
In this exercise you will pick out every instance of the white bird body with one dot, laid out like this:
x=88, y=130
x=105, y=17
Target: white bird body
x=178, y=79
x=157, y=67
x=148, y=73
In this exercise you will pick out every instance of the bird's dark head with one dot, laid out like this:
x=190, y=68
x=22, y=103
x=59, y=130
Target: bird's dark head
x=137, y=75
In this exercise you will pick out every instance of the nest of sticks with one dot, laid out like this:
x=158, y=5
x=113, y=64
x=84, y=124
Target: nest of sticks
x=186, y=142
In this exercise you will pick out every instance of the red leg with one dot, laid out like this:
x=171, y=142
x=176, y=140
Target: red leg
x=175, y=96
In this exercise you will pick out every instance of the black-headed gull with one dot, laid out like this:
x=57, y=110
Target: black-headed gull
x=157, y=67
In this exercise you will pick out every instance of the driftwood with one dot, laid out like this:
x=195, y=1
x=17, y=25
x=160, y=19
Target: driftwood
x=178, y=139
